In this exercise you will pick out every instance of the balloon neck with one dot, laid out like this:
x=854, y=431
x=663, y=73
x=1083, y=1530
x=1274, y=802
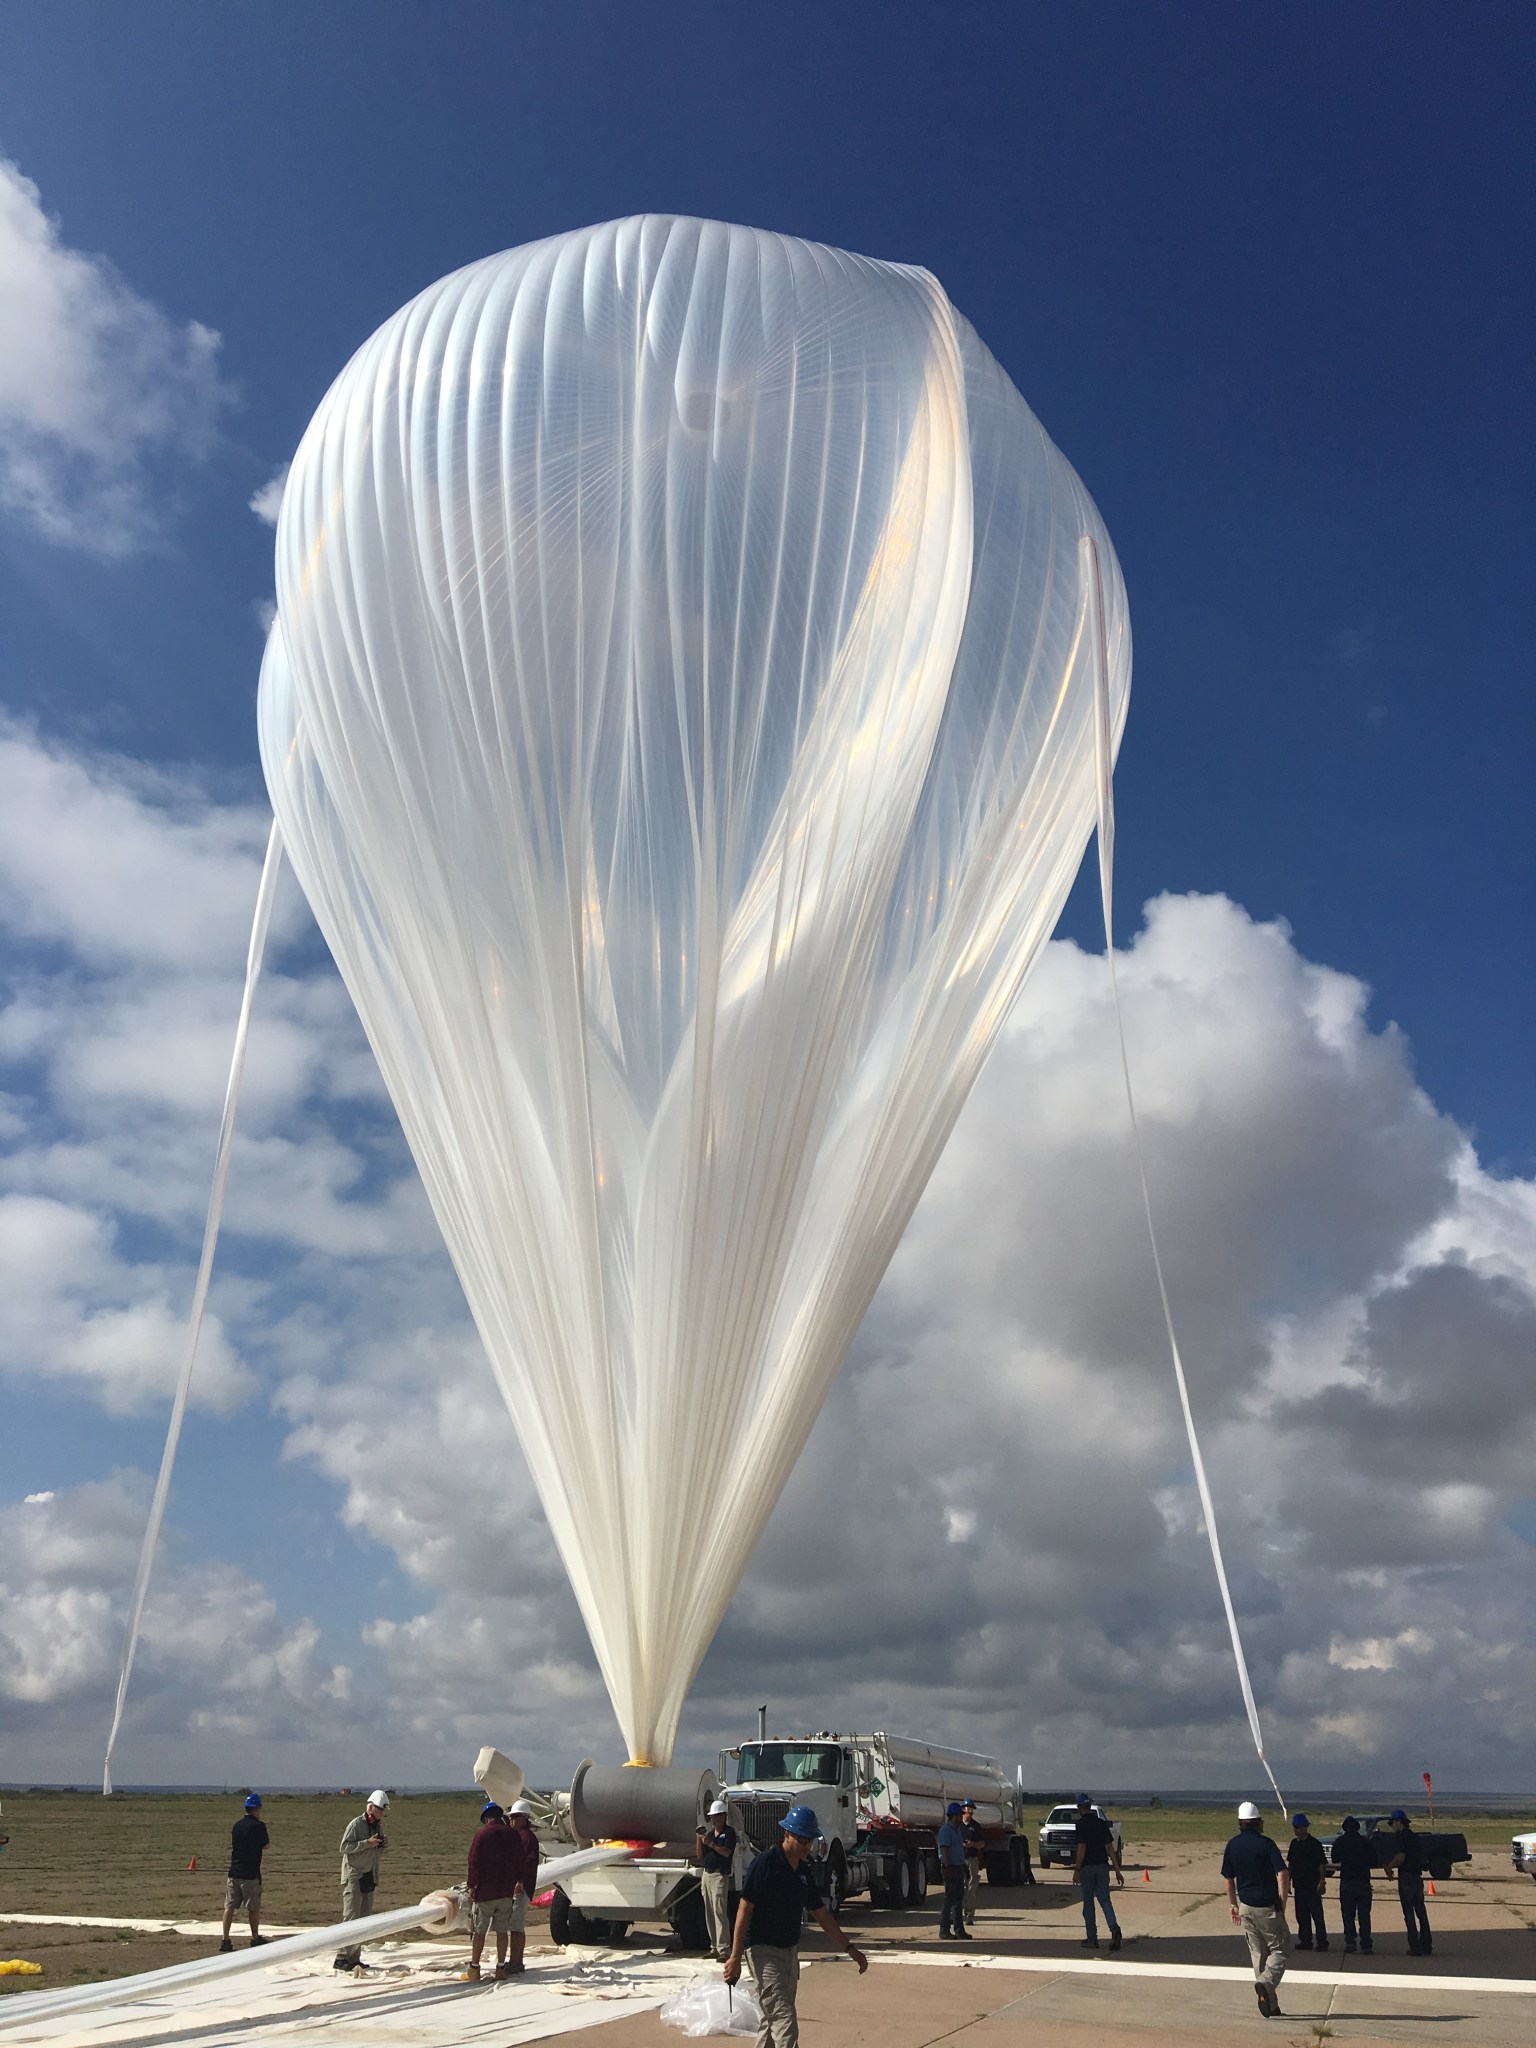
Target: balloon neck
x=639, y=1763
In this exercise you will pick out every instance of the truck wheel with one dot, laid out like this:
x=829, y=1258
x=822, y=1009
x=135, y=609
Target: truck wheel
x=901, y=1890
x=1046, y=1861
x=837, y=1880
x=919, y=1876
x=567, y=1923
x=999, y=1869
x=688, y=1919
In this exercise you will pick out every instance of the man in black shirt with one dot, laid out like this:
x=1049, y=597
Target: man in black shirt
x=776, y=1894
x=1353, y=1858
x=247, y=1838
x=1258, y=1885
x=1405, y=1857
x=975, y=1841
x=1308, y=1866
x=715, y=1850
x=1096, y=1849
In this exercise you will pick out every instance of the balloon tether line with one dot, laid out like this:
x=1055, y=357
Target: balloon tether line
x=271, y=867
x=1103, y=754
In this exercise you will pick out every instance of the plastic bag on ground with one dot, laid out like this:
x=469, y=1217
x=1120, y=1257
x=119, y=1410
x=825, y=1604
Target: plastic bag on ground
x=708, y=2006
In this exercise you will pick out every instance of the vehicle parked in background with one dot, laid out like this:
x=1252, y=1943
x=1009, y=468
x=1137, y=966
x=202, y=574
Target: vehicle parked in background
x=1522, y=1853
x=1058, y=1835
x=1439, y=1851
x=880, y=1800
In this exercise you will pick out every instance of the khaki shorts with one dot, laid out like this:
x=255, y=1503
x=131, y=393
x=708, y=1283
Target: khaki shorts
x=500, y=1916
x=241, y=1891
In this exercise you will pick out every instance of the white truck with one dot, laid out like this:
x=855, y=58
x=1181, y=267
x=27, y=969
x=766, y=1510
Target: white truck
x=880, y=1800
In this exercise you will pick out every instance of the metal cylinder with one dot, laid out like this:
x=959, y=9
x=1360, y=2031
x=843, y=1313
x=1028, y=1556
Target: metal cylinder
x=637, y=1803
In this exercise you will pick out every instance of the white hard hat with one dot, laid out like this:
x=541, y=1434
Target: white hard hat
x=718, y=1807
x=1247, y=1811
x=380, y=1800
x=520, y=1806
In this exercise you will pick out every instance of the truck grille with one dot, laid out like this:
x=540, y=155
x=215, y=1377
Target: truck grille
x=760, y=1820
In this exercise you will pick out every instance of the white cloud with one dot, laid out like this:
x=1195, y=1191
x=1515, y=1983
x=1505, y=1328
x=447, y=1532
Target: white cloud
x=992, y=1537
x=268, y=501
x=98, y=387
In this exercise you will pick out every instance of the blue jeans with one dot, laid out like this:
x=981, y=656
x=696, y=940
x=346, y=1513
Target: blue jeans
x=1094, y=1879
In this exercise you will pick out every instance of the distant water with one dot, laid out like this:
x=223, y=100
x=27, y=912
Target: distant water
x=1354, y=1800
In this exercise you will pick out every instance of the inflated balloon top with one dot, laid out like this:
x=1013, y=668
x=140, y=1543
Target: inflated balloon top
x=680, y=716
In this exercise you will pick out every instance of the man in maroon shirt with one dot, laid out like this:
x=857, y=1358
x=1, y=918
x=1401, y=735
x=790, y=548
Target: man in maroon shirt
x=503, y=1869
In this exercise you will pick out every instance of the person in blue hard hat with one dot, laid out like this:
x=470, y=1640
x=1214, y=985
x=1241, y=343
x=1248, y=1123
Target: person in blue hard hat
x=1096, y=1850
x=950, y=1842
x=1405, y=1861
x=242, y=1888
x=1308, y=1864
x=777, y=1892
x=975, y=1841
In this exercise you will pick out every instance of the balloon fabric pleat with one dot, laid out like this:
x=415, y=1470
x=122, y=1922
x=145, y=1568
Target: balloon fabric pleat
x=680, y=716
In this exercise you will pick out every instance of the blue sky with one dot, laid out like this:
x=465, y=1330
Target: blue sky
x=1258, y=273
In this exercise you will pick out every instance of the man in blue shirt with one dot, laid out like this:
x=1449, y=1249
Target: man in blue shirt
x=1405, y=1858
x=1258, y=1885
x=776, y=1894
x=950, y=1842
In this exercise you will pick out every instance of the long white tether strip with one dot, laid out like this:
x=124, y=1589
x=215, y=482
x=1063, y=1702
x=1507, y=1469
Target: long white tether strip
x=1104, y=764
x=271, y=868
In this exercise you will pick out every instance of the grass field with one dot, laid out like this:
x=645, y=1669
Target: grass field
x=76, y=1853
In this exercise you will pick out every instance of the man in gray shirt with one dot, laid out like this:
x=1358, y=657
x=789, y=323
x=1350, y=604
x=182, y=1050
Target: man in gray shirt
x=362, y=1846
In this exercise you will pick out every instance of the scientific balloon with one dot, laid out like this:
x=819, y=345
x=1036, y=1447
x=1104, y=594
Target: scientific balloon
x=680, y=716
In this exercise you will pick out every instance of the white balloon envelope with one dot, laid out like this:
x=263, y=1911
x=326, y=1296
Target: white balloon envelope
x=680, y=717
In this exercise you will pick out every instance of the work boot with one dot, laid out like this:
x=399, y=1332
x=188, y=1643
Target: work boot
x=1323, y=1945
x=471, y=1975
x=964, y=1934
x=1114, y=1940
x=1091, y=1941
x=1349, y=1948
x=1266, y=1999
x=1304, y=1945
x=258, y=1941
x=226, y=1947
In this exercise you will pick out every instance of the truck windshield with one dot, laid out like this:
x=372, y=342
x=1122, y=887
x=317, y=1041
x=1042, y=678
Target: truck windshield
x=806, y=1763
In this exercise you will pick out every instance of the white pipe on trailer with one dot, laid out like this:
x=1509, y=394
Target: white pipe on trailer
x=439, y=1913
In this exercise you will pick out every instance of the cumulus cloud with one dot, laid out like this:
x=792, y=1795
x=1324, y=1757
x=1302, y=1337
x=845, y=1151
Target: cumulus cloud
x=99, y=389
x=992, y=1537
x=268, y=501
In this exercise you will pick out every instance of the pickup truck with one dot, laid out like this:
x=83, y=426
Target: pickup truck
x=1058, y=1834
x=1439, y=1851
x=1522, y=1853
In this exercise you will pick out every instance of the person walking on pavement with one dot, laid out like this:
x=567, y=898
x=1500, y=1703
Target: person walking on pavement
x=715, y=1853
x=247, y=1838
x=362, y=1846
x=1405, y=1859
x=975, y=1837
x=1258, y=1885
x=776, y=1894
x=950, y=1841
x=1353, y=1858
x=1096, y=1850
x=1308, y=1864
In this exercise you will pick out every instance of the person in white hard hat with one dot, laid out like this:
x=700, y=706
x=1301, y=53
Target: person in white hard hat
x=715, y=1853
x=1258, y=1886
x=362, y=1846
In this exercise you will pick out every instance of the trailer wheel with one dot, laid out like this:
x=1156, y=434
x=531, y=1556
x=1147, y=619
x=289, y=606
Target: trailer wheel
x=901, y=1888
x=688, y=1919
x=567, y=1923
x=837, y=1880
x=919, y=1876
x=1001, y=1868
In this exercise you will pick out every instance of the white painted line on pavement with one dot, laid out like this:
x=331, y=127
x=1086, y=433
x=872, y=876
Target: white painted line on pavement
x=1213, y=1973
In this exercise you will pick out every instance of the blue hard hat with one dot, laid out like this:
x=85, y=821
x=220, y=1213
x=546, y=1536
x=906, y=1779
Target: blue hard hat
x=252, y=1801
x=490, y=1807
x=1083, y=1799
x=952, y=1809
x=801, y=1821
x=1299, y=1820
x=1397, y=1813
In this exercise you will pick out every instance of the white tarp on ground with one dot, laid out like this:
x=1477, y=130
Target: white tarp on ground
x=411, y=1996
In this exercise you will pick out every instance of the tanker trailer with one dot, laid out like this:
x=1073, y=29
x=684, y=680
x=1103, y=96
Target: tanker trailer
x=880, y=1800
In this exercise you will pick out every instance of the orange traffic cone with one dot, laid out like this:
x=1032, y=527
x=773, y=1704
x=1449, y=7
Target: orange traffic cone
x=1431, y=1887
x=1146, y=1875
x=193, y=1864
